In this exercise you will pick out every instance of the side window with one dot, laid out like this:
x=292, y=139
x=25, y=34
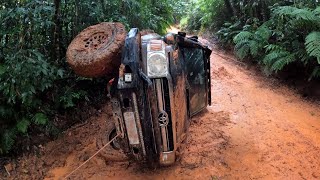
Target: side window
x=195, y=66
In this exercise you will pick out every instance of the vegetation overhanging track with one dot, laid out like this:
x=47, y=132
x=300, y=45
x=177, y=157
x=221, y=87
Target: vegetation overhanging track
x=282, y=36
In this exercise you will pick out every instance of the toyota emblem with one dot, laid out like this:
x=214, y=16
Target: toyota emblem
x=163, y=118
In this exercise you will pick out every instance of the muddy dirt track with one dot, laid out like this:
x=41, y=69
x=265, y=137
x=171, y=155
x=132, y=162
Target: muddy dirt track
x=255, y=129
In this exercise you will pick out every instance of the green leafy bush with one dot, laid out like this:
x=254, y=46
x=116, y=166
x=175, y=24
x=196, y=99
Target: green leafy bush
x=251, y=43
x=290, y=36
x=277, y=34
x=228, y=32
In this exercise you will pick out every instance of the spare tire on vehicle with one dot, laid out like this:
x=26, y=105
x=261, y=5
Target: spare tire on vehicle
x=96, y=51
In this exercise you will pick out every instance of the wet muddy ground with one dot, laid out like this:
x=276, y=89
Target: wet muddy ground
x=255, y=129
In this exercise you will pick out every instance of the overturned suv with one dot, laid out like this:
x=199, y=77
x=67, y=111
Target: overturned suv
x=162, y=83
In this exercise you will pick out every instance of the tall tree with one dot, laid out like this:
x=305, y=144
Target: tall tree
x=57, y=31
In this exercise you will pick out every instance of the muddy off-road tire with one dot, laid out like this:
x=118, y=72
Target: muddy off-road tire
x=112, y=152
x=96, y=51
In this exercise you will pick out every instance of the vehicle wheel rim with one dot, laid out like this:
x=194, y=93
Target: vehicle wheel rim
x=115, y=144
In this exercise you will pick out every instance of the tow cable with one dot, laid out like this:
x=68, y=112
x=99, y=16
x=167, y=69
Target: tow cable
x=91, y=157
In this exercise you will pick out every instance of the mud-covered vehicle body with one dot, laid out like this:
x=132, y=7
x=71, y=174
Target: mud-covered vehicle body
x=162, y=83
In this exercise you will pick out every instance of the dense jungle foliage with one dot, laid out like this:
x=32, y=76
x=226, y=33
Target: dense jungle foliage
x=37, y=86
x=280, y=35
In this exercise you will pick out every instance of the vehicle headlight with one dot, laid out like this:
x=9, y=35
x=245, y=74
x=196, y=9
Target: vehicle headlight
x=157, y=65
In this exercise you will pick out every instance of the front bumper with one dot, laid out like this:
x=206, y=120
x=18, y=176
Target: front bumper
x=157, y=143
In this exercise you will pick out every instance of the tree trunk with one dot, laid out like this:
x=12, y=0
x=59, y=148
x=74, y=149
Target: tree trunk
x=76, y=20
x=57, y=31
x=235, y=7
x=67, y=38
x=265, y=11
x=103, y=7
x=229, y=7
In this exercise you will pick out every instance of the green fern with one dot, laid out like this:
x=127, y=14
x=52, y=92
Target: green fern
x=242, y=36
x=248, y=43
x=40, y=119
x=315, y=73
x=242, y=49
x=304, y=14
x=313, y=45
x=297, y=17
x=274, y=47
x=263, y=33
x=243, y=44
x=22, y=126
x=7, y=140
x=302, y=55
x=270, y=58
x=277, y=59
x=282, y=62
x=317, y=11
x=284, y=10
x=254, y=48
x=296, y=13
x=2, y=69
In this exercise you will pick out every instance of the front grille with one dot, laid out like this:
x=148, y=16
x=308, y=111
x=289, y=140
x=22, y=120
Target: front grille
x=161, y=87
